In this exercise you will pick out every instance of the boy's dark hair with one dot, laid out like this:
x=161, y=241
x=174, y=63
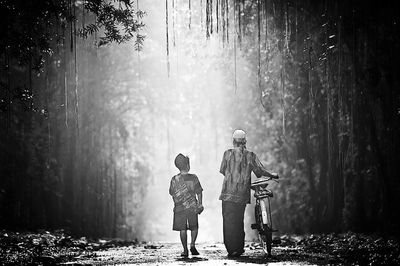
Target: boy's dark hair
x=181, y=161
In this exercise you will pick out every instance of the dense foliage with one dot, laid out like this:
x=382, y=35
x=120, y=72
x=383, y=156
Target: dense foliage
x=330, y=122
x=63, y=147
x=313, y=84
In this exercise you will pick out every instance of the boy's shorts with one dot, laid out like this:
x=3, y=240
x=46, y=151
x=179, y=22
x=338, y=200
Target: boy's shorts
x=185, y=220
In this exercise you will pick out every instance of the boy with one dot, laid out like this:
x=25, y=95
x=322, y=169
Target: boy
x=184, y=188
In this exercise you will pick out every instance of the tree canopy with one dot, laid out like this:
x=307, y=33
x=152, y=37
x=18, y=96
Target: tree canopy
x=92, y=115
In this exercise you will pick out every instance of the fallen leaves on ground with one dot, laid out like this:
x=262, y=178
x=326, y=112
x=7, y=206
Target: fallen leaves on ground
x=49, y=248
x=355, y=248
x=57, y=247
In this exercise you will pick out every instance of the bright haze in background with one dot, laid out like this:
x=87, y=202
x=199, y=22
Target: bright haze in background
x=195, y=113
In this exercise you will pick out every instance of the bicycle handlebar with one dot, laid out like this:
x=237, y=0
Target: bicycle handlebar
x=274, y=176
x=262, y=180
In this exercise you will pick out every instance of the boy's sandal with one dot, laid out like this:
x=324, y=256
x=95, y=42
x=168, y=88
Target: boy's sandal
x=194, y=251
x=185, y=254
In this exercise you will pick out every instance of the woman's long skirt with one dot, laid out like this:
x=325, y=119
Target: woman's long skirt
x=233, y=214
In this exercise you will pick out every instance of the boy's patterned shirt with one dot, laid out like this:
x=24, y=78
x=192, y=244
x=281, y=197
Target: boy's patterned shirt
x=178, y=193
x=237, y=166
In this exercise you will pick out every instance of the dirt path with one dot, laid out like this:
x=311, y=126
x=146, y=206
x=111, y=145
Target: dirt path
x=210, y=254
x=58, y=248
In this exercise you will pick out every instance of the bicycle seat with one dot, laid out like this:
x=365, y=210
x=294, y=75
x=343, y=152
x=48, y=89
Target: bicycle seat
x=263, y=193
x=261, y=182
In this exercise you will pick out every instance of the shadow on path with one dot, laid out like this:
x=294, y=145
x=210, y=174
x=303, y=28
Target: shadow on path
x=192, y=259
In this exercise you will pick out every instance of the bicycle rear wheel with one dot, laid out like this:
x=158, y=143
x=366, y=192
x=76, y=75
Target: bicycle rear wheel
x=266, y=241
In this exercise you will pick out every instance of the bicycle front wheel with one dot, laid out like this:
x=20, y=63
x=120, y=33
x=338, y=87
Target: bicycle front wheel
x=266, y=241
x=269, y=229
x=265, y=234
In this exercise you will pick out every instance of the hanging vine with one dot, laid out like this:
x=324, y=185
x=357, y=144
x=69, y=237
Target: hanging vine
x=217, y=9
x=341, y=152
x=208, y=31
x=8, y=87
x=76, y=74
x=211, y=16
x=190, y=12
x=283, y=66
x=239, y=32
x=328, y=114
x=259, y=53
x=234, y=42
x=266, y=23
x=201, y=15
x=173, y=20
x=137, y=37
x=65, y=95
x=223, y=10
x=166, y=35
x=227, y=20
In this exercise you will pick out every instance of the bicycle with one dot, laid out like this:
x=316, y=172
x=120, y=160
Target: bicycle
x=262, y=212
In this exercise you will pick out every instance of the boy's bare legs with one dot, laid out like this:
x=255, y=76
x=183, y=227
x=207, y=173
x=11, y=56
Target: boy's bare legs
x=193, y=234
x=183, y=235
x=193, y=242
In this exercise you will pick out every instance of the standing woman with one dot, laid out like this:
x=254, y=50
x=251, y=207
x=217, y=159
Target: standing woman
x=236, y=166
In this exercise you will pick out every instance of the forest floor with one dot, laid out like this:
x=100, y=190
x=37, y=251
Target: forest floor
x=58, y=248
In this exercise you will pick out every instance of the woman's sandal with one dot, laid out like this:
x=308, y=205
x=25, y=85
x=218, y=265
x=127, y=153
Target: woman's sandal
x=194, y=251
x=236, y=253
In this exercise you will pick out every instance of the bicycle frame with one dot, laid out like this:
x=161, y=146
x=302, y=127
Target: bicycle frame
x=265, y=206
